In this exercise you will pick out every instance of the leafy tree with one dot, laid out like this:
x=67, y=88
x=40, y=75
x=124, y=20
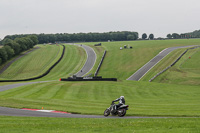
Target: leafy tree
x=169, y=36
x=0, y=61
x=22, y=43
x=175, y=35
x=34, y=38
x=28, y=42
x=6, y=41
x=10, y=52
x=144, y=36
x=151, y=36
x=183, y=35
x=3, y=55
x=16, y=48
x=47, y=38
x=14, y=45
x=52, y=38
x=42, y=38
x=194, y=34
x=130, y=37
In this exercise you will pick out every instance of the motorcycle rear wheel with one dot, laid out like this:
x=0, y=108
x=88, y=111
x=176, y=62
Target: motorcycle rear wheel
x=121, y=112
x=106, y=112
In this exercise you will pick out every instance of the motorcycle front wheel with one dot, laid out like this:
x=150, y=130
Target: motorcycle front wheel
x=106, y=112
x=121, y=112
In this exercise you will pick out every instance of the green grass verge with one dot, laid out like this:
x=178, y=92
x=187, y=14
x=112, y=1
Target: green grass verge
x=72, y=62
x=34, y=63
x=185, y=71
x=3, y=65
x=86, y=125
x=165, y=62
x=122, y=64
x=39, y=61
x=145, y=99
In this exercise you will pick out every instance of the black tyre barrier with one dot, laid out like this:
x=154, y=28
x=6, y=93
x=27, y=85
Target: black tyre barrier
x=88, y=79
x=97, y=71
x=44, y=74
x=172, y=63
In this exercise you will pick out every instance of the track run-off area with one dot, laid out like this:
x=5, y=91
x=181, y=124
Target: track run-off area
x=91, y=59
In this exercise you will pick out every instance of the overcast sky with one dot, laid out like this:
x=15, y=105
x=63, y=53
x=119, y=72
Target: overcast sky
x=159, y=17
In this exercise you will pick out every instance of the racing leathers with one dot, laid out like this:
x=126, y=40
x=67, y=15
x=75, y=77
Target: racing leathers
x=121, y=102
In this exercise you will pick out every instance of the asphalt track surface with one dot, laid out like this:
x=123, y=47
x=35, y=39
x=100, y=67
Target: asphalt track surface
x=143, y=70
x=91, y=59
x=7, y=87
x=4, y=111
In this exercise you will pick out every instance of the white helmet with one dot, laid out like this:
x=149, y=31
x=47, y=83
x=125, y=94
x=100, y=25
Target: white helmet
x=121, y=96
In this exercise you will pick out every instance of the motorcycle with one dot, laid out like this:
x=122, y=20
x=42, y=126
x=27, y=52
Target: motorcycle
x=120, y=111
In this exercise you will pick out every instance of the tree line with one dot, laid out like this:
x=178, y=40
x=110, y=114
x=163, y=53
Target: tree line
x=13, y=47
x=178, y=36
x=194, y=34
x=81, y=37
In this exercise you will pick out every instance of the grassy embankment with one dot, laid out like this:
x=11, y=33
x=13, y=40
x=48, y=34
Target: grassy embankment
x=118, y=63
x=39, y=61
x=34, y=63
x=186, y=71
x=72, y=125
x=72, y=62
x=122, y=64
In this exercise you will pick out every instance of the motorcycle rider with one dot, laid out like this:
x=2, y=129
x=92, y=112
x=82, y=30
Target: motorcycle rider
x=121, y=102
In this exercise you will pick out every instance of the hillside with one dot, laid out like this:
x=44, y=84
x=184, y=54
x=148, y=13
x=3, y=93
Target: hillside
x=122, y=64
x=153, y=99
x=33, y=64
x=186, y=70
x=39, y=61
